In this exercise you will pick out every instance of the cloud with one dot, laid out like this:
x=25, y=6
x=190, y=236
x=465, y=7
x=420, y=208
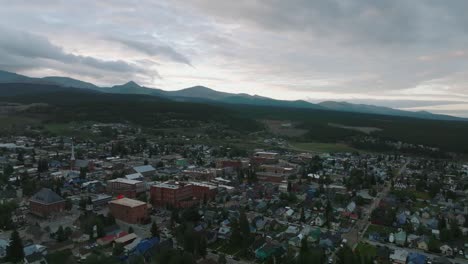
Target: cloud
x=347, y=49
x=27, y=45
x=154, y=49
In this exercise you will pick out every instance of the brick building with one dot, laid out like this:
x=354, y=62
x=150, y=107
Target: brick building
x=126, y=187
x=129, y=210
x=46, y=202
x=181, y=195
x=262, y=157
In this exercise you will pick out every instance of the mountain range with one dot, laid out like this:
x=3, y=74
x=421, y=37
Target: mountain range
x=207, y=95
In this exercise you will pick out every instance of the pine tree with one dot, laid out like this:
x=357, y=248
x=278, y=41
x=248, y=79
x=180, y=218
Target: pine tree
x=60, y=235
x=202, y=247
x=154, y=230
x=222, y=259
x=14, y=251
x=130, y=230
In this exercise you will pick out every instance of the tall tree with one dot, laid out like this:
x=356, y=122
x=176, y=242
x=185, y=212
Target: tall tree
x=154, y=230
x=202, y=246
x=222, y=259
x=14, y=251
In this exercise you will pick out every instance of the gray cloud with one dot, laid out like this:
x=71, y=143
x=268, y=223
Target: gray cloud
x=154, y=49
x=395, y=50
x=27, y=45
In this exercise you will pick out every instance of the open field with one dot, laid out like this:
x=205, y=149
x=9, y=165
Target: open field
x=284, y=128
x=365, y=130
x=321, y=147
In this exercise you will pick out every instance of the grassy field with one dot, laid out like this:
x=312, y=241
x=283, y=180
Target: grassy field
x=367, y=251
x=321, y=147
x=383, y=230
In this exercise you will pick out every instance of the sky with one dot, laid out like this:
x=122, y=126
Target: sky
x=403, y=54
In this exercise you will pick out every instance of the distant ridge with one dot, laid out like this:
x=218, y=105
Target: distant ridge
x=208, y=95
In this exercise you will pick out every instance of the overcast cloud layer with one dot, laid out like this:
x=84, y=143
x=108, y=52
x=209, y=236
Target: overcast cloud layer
x=408, y=54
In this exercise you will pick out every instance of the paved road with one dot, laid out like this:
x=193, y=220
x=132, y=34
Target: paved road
x=355, y=235
x=429, y=255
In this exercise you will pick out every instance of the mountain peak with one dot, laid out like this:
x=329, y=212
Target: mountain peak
x=131, y=84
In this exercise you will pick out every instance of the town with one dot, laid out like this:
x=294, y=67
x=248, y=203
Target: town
x=137, y=197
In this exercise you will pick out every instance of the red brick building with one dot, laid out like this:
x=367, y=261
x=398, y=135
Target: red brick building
x=125, y=187
x=129, y=210
x=228, y=164
x=181, y=195
x=263, y=157
x=46, y=202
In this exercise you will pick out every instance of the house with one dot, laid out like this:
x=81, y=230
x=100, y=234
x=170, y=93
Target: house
x=292, y=230
x=46, y=202
x=446, y=250
x=35, y=258
x=415, y=258
x=351, y=207
x=399, y=256
x=422, y=244
x=319, y=220
x=268, y=250
x=401, y=218
x=145, y=170
x=400, y=238
x=224, y=232
x=415, y=221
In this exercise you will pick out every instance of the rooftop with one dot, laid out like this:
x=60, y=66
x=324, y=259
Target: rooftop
x=127, y=181
x=127, y=202
x=46, y=196
x=144, y=168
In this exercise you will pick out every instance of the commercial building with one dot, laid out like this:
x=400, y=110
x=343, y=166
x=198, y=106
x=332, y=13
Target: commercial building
x=46, y=202
x=181, y=195
x=125, y=187
x=129, y=210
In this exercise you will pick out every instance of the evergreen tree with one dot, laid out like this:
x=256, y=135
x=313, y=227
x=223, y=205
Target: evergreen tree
x=302, y=215
x=60, y=234
x=202, y=247
x=154, y=230
x=14, y=251
x=222, y=259
x=130, y=230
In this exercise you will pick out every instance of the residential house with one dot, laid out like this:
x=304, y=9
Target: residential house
x=400, y=238
x=399, y=256
x=446, y=250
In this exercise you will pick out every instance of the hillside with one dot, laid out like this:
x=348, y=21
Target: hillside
x=68, y=105
x=380, y=110
x=201, y=94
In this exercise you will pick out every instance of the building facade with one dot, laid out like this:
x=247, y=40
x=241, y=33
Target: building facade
x=129, y=210
x=46, y=202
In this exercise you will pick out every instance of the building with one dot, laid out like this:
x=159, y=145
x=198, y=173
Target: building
x=145, y=170
x=225, y=163
x=181, y=194
x=126, y=187
x=263, y=157
x=399, y=256
x=200, y=174
x=46, y=202
x=129, y=210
